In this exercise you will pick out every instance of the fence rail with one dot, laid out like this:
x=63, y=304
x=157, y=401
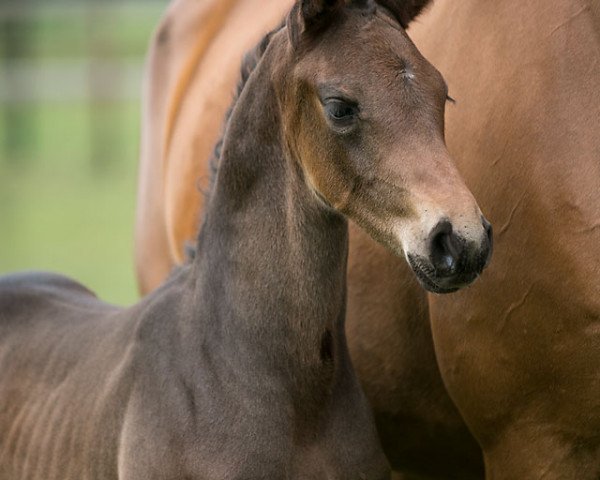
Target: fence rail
x=68, y=80
x=83, y=59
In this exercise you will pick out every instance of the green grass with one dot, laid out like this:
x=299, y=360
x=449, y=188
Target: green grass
x=117, y=29
x=60, y=209
x=59, y=212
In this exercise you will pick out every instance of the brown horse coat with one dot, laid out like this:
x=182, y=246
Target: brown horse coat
x=520, y=350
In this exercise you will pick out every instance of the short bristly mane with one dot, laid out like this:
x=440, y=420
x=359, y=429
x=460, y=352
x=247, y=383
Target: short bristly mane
x=249, y=63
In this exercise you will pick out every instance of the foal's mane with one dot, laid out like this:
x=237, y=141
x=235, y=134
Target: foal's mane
x=249, y=64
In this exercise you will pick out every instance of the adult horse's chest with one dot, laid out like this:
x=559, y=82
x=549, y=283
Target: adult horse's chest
x=527, y=354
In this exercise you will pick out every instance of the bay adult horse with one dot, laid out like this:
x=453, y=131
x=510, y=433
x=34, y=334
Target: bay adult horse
x=519, y=351
x=237, y=366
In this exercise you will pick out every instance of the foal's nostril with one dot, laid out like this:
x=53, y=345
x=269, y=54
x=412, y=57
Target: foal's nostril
x=445, y=248
x=487, y=226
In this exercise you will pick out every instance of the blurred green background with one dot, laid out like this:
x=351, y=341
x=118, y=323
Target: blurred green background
x=70, y=86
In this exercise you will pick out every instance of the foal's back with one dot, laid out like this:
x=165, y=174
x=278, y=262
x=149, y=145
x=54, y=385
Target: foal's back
x=65, y=359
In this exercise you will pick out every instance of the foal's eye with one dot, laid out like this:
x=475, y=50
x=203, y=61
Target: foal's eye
x=339, y=109
x=341, y=112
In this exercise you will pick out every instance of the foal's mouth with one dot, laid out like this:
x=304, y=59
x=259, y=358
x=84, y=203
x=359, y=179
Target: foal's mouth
x=426, y=274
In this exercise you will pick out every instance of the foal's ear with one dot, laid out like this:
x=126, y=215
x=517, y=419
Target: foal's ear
x=309, y=16
x=404, y=10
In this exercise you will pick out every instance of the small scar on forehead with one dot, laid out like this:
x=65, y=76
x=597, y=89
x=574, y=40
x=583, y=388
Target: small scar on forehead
x=404, y=69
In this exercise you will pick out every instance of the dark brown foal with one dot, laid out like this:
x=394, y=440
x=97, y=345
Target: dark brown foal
x=237, y=367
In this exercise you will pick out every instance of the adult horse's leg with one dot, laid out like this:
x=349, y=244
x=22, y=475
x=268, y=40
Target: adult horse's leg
x=520, y=350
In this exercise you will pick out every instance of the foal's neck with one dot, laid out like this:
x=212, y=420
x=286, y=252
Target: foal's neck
x=271, y=262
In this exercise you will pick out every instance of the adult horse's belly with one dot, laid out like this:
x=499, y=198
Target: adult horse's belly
x=520, y=349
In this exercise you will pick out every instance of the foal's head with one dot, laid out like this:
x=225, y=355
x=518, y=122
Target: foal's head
x=363, y=114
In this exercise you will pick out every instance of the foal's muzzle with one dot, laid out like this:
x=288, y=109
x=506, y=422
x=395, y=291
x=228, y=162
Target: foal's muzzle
x=454, y=262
